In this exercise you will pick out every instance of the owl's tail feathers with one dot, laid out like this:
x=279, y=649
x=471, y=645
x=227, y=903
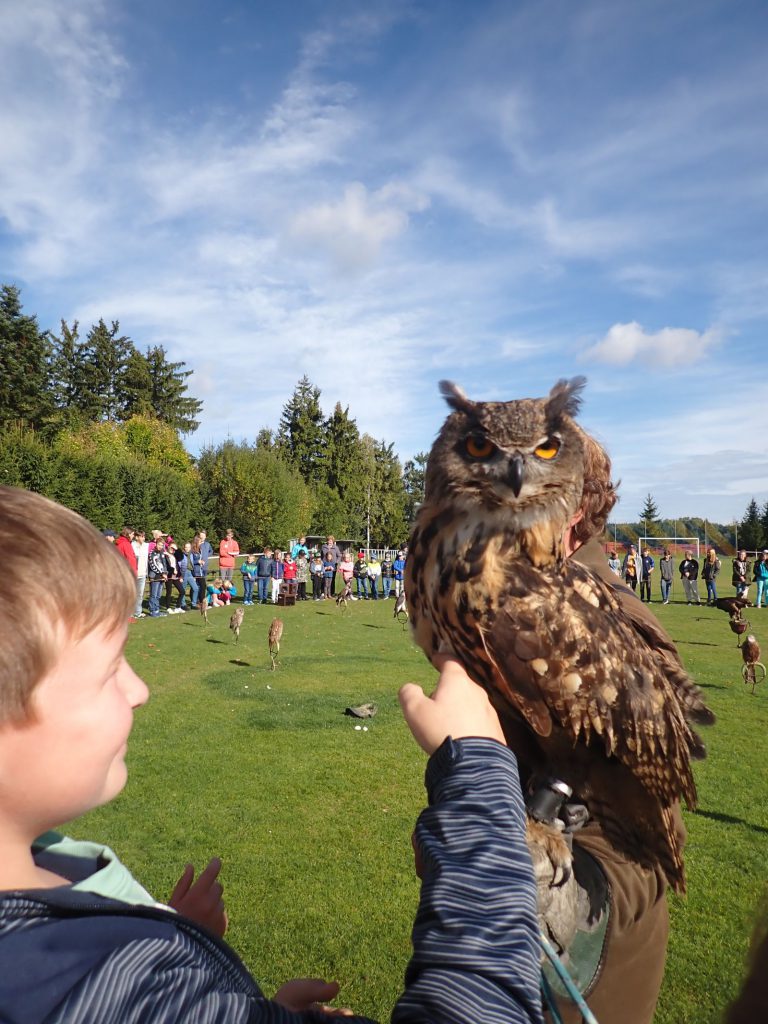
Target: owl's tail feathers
x=696, y=747
x=688, y=695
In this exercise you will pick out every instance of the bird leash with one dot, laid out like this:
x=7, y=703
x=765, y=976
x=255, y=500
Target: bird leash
x=568, y=983
x=545, y=803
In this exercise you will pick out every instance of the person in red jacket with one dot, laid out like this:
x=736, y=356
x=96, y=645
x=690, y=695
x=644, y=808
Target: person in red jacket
x=228, y=551
x=123, y=545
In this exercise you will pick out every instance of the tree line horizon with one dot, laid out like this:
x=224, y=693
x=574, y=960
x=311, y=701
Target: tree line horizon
x=93, y=422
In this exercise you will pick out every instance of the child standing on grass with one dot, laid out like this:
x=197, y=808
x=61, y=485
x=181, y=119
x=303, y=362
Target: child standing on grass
x=386, y=575
x=302, y=576
x=249, y=570
x=317, y=572
x=278, y=572
x=398, y=572
x=329, y=572
x=264, y=574
x=289, y=570
x=81, y=940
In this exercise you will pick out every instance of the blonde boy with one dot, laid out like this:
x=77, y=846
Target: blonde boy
x=81, y=941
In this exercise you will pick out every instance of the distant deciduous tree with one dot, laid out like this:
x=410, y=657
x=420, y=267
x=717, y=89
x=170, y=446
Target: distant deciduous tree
x=255, y=492
x=414, y=473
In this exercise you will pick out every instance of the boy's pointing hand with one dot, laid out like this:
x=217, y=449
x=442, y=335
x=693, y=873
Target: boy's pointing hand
x=201, y=899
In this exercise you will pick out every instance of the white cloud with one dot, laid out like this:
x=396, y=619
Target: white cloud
x=671, y=346
x=353, y=230
x=59, y=76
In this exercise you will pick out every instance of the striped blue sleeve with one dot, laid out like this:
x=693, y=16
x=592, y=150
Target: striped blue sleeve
x=476, y=934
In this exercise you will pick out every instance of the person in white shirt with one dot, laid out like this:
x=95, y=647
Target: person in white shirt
x=141, y=550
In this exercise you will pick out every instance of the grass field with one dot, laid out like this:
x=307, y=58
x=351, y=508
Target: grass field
x=313, y=817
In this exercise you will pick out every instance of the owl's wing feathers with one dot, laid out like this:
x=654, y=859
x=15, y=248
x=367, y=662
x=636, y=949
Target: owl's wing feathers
x=564, y=650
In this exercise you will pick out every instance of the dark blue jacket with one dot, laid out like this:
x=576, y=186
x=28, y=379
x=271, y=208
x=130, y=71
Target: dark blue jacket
x=264, y=566
x=70, y=957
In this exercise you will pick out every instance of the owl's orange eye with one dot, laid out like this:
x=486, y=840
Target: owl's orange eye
x=478, y=446
x=549, y=449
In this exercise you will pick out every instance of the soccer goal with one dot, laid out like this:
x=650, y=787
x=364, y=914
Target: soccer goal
x=677, y=547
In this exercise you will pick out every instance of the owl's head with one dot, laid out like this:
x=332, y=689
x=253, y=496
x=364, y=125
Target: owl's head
x=526, y=455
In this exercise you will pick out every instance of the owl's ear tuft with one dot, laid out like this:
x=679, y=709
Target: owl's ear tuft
x=455, y=397
x=565, y=398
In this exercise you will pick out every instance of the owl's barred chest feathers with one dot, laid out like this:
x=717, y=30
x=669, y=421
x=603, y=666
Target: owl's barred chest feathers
x=463, y=562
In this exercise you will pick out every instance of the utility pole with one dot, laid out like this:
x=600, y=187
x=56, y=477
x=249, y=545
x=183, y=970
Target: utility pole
x=368, y=522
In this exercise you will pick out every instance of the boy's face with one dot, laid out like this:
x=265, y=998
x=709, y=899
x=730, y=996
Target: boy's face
x=70, y=758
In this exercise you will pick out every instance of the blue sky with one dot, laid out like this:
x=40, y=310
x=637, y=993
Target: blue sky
x=381, y=195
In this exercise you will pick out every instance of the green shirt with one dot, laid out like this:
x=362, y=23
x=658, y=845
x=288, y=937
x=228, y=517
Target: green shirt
x=90, y=867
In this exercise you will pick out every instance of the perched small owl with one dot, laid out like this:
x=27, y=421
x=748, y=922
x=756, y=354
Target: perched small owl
x=585, y=694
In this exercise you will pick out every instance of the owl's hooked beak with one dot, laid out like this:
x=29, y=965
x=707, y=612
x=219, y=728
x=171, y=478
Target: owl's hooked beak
x=516, y=473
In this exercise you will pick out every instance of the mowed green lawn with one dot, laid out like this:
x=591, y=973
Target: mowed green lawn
x=313, y=817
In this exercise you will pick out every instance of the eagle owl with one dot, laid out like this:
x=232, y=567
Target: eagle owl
x=584, y=693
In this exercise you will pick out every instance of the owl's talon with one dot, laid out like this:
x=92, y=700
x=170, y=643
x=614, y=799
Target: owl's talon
x=550, y=851
x=561, y=876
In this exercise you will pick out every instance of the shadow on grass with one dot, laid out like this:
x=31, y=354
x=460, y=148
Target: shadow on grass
x=696, y=643
x=372, y=625
x=730, y=820
x=213, y=640
x=238, y=661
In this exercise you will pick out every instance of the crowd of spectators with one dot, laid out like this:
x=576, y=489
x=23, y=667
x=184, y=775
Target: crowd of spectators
x=179, y=576
x=635, y=569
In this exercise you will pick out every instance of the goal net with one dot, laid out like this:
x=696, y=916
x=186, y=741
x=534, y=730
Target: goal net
x=677, y=547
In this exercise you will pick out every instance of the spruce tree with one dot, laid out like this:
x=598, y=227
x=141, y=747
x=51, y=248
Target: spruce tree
x=106, y=359
x=300, y=434
x=344, y=457
x=386, y=509
x=649, y=512
x=70, y=384
x=764, y=523
x=137, y=384
x=168, y=399
x=751, y=535
x=25, y=395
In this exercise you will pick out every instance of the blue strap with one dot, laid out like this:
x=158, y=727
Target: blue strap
x=565, y=978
